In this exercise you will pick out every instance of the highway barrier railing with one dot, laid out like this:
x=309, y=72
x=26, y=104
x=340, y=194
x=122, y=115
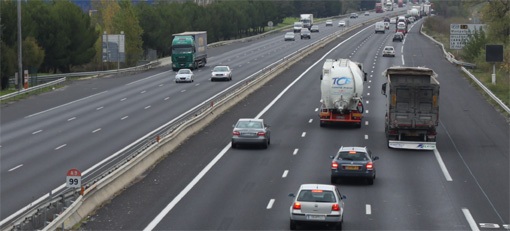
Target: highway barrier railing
x=452, y=59
x=66, y=207
x=28, y=90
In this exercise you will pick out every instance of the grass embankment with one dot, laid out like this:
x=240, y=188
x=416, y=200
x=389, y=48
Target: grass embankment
x=439, y=28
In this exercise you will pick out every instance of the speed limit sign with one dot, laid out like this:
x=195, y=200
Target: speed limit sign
x=73, y=178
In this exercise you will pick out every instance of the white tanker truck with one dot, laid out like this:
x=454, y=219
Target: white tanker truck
x=342, y=92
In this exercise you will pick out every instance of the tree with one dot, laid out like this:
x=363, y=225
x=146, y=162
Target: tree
x=7, y=64
x=126, y=20
x=475, y=45
x=497, y=15
x=33, y=54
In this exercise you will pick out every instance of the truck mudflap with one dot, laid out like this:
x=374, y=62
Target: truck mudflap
x=415, y=145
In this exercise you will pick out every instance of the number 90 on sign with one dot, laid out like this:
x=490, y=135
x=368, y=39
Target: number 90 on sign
x=74, y=181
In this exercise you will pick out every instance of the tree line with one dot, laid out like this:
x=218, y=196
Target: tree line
x=58, y=37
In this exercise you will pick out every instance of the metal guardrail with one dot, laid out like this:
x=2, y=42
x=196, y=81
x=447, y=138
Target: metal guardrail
x=36, y=214
x=38, y=87
x=452, y=59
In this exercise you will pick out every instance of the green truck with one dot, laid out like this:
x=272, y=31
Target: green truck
x=189, y=50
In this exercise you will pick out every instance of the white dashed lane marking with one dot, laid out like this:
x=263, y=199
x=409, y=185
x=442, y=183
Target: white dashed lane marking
x=99, y=108
x=12, y=169
x=470, y=219
x=167, y=98
x=442, y=165
x=143, y=92
x=99, y=129
x=367, y=112
x=304, y=134
x=71, y=119
x=368, y=209
x=285, y=173
x=161, y=85
x=123, y=118
x=33, y=133
x=183, y=90
x=61, y=146
x=366, y=137
x=270, y=204
x=123, y=99
x=366, y=122
x=316, y=109
x=148, y=107
x=295, y=151
x=310, y=121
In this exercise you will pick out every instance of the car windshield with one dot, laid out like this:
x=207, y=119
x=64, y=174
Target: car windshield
x=181, y=50
x=316, y=196
x=184, y=71
x=220, y=69
x=353, y=155
x=249, y=124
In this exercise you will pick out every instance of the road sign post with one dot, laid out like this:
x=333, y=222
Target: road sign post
x=73, y=178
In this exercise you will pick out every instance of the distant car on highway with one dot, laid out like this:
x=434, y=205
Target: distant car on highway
x=251, y=131
x=329, y=22
x=317, y=204
x=221, y=72
x=289, y=36
x=398, y=37
x=184, y=75
x=305, y=33
x=388, y=51
x=314, y=28
x=354, y=15
x=367, y=13
x=357, y=162
x=342, y=23
x=393, y=21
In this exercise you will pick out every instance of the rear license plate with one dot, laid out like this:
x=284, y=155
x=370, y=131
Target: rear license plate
x=352, y=167
x=248, y=134
x=316, y=217
x=411, y=134
x=340, y=117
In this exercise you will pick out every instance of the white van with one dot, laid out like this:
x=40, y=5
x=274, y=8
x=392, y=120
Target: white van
x=379, y=27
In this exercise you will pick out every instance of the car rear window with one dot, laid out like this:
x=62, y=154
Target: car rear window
x=249, y=124
x=220, y=69
x=316, y=196
x=353, y=155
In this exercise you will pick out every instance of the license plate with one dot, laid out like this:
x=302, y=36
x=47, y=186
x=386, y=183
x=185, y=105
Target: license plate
x=340, y=117
x=411, y=134
x=352, y=167
x=316, y=217
x=248, y=134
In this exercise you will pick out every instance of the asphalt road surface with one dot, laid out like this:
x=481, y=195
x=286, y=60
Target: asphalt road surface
x=247, y=188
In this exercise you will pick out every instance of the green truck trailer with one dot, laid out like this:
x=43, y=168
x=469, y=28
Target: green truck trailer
x=189, y=50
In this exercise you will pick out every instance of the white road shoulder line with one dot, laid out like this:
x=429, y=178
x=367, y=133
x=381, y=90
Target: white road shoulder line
x=285, y=173
x=368, y=209
x=12, y=169
x=470, y=220
x=442, y=165
x=63, y=105
x=270, y=204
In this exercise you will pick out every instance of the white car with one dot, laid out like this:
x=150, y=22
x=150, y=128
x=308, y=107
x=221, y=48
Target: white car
x=317, y=203
x=289, y=36
x=184, y=75
x=342, y=23
x=393, y=21
x=388, y=51
x=329, y=22
x=367, y=13
x=221, y=72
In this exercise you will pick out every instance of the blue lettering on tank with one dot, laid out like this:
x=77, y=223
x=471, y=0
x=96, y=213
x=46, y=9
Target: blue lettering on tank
x=341, y=81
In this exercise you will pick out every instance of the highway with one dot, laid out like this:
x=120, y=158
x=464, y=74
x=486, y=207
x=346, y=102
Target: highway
x=82, y=124
x=207, y=185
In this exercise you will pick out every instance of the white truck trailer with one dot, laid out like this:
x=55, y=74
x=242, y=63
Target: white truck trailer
x=412, y=108
x=307, y=20
x=342, y=92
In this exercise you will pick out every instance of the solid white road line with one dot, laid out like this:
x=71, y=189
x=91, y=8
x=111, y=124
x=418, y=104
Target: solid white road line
x=310, y=121
x=304, y=134
x=61, y=146
x=295, y=151
x=33, y=133
x=99, y=129
x=12, y=169
x=123, y=118
x=99, y=108
x=63, y=105
x=270, y=204
x=185, y=191
x=285, y=173
x=470, y=219
x=368, y=209
x=176, y=200
x=442, y=165
x=71, y=119
x=403, y=62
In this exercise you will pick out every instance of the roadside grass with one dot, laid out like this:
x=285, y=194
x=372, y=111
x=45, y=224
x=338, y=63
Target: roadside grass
x=436, y=29
x=28, y=94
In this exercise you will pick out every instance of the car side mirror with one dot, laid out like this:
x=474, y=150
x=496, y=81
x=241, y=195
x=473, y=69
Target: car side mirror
x=383, y=89
x=376, y=158
x=332, y=157
x=292, y=195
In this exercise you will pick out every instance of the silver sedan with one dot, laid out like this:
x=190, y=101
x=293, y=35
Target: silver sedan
x=221, y=72
x=317, y=204
x=184, y=75
x=251, y=131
